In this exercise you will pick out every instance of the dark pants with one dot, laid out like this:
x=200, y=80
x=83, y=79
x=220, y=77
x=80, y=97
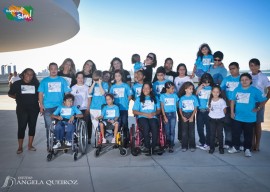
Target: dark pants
x=216, y=130
x=247, y=129
x=123, y=122
x=149, y=125
x=26, y=117
x=188, y=132
x=203, y=119
x=88, y=122
x=179, y=135
x=228, y=123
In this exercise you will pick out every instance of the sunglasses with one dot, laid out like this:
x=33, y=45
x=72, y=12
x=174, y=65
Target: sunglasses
x=149, y=57
x=217, y=59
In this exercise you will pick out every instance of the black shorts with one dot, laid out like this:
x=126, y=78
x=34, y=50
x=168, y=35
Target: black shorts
x=109, y=125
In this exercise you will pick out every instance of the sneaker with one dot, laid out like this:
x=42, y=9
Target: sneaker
x=221, y=150
x=241, y=148
x=145, y=150
x=200, y=146
x=104, y=140
x=192, y=149
x=233, y=150
x=211, y=151
x=113, y=140
x=206, y=147
x=57, y=145
x=68, y=143
x=184, y=150
x=247, y=153
x=171, y=150
x=226, y=147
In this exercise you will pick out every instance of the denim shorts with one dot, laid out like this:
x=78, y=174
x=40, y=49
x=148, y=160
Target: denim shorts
x=260, y=115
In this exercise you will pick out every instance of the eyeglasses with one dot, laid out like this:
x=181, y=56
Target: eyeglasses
x=217, y=59
x=69, y=100
x=149, y=57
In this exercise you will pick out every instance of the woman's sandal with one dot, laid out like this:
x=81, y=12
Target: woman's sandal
x=19, y=151
x=32, y=148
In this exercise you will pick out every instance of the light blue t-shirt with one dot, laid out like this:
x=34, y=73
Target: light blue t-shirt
x=158, y=86
x=229, y=84
x=66, y=112
x=188, y=103
x=121, y=92
x=245, y=102
x=203, y=97
x=53, y=90
x=218, y=73
x=204, y=63
x=147, y=107
x=136, y=90
x=169, y=101
x=138, y=66
x=97, y=98
x=110, y=112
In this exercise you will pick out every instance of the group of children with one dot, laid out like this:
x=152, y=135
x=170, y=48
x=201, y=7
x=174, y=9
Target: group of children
x=108, y=105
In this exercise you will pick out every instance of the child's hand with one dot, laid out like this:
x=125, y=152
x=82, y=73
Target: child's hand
x=165, y=119
x=60, y=118
x=232, y=115
x=184, y=119
x=71, y=119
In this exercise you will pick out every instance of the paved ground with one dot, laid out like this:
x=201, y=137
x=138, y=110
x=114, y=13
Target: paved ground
x=180, y=171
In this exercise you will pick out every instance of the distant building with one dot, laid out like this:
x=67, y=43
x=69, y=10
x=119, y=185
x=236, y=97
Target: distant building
x=9, y=69
x=14, y=68
x=3, y=70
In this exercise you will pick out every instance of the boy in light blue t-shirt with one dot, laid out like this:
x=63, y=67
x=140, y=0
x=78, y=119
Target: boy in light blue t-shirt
x=65, y=114
x=160, y=83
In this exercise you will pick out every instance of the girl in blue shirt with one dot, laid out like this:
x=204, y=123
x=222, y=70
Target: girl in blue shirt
x=146, y=107
x=203, y=62
x=203, y=92
x=243, y=111
x=122, y=95
x=188, y=104
x=169, y=103
x=109, y=115
x=65, y=114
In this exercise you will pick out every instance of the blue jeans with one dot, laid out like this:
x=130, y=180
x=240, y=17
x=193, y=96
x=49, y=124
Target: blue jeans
x=60, y=129
x=228, y=127
x=203, y=119
x=48, y=120
x=170, y=128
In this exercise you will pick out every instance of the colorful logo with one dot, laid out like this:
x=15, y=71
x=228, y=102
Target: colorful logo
x=17, y=13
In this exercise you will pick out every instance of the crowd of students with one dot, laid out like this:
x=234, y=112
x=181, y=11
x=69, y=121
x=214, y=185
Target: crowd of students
x=231, y=104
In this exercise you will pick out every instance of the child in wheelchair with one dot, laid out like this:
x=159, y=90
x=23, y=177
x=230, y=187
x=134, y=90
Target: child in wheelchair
x=109, y=118
x=65, y=115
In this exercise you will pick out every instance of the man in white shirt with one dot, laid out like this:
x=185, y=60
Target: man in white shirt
x=14, y=78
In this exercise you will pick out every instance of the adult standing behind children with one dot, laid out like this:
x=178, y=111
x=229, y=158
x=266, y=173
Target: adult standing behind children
x=218, y=71
x=117, y=64
x=51, y=93
x=25, y=93
x=14, y=78
x=170, y=74
x=261, y=82
x=89, y=68
x=67, y=71
x=149, y=63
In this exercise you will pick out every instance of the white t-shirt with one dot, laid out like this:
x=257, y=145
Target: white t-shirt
x=261, y=82
x=179, y=81
x=13, y=79
x=80, y=93
x=216, y=109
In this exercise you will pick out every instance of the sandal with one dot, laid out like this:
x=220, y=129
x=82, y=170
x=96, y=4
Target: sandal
x=32, y=148
x=19, y=151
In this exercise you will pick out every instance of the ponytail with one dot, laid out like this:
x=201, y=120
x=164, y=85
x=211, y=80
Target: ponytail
x=167, y=85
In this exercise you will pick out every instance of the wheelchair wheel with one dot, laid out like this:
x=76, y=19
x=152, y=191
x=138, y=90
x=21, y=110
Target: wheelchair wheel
x=49, y=157
x=75, y=156
x=83, y=137
x=123, y=152
x=97, y=152
x=135, y=151
x=97, y=135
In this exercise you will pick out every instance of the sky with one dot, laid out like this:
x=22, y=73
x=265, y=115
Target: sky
x=168, y=28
